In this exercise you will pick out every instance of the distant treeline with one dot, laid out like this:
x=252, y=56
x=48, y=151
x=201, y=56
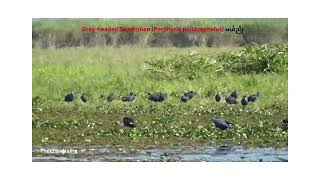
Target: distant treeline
x=60, y=33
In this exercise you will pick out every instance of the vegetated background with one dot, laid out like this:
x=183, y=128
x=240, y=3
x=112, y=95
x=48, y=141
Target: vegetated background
x=58, y=33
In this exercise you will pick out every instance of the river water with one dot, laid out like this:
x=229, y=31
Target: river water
x=159, y=154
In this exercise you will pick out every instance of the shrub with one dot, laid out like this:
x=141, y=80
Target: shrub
x=191, y=66
x=253, y=59
x=256, y=59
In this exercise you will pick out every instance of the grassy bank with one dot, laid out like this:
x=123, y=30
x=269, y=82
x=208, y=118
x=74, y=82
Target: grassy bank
x=100, y=71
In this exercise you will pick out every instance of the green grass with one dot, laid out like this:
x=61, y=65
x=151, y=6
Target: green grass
x=98, y=71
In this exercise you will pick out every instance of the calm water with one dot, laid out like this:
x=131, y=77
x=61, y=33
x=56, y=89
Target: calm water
x=156, y=154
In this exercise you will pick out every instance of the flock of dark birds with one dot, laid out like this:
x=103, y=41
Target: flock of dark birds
x=185, y=97
x=160, y=97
